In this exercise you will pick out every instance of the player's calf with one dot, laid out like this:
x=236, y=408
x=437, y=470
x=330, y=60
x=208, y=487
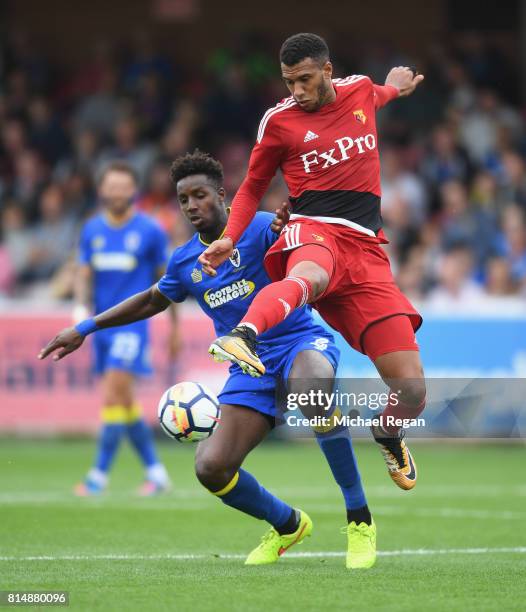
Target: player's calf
x=407, y=401
x=244, y=493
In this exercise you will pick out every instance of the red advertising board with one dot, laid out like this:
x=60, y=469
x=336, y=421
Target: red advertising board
x=44, y=397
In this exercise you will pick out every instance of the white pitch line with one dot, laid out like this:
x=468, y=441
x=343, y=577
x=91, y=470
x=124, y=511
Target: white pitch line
x=172, y=504
x=315, y=493
x=292, y=555
x=446, y=513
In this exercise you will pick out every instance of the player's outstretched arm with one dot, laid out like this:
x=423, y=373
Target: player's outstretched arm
x=67, y=340
x=263, y=163
x=405, y=79
x=140, y=306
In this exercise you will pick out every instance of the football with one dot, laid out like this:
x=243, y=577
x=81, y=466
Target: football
x=189, y=412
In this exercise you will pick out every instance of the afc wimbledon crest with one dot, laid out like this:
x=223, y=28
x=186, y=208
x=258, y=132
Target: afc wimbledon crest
x=98, y=243
x=132, y=240
x=359, y=116
x=235, y=258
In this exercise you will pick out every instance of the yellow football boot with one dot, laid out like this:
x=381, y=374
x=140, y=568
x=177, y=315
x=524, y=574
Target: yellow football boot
x=239, y=346
x=273, y=545
x=361, y=545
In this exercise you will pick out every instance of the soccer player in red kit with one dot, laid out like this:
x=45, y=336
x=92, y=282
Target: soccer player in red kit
x=323, y=137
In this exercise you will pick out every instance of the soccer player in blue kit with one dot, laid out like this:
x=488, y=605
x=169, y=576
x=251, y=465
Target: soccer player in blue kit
x=298, y=352
x=121, y=252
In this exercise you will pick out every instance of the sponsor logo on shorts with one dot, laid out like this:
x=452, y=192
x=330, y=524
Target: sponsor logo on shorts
x=320, y=344
x=239, y=289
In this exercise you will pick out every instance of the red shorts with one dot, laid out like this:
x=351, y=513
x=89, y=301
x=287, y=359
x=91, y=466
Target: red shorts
x=361, y=290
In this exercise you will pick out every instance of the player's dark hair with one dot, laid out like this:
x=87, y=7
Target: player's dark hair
x=118, y=166
x=300, y=46
x=197, y=162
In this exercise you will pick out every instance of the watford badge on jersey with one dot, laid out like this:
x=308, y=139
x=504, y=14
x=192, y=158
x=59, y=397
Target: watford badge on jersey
x=318, y=237
x=360, y=116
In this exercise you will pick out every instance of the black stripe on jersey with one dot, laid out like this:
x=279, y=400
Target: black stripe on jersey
x=356, y=206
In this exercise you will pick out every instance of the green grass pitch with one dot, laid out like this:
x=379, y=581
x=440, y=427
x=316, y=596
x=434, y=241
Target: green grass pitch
x=457, y=542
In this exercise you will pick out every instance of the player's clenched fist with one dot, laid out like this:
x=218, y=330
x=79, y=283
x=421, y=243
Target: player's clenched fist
x=404, y=79
x=68, y=340
x=281, y=219
x=218, y=252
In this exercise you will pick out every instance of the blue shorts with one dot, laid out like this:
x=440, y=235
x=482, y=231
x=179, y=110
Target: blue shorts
x=260, y=393
x=122, y=348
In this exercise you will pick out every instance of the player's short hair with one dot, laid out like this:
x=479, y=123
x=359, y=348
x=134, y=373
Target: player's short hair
x=197, y=162
x=300, y=46
x=118, y=166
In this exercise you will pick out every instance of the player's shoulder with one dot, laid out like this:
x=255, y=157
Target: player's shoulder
x=191, y=249
x=262, y=219
x=258, y=236
x=353, y=82
x=147, y=223
x=274, y=114
x=258, y=227
x=93, y=224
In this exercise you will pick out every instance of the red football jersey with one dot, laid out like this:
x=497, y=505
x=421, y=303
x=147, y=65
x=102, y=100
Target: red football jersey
x=329, y=159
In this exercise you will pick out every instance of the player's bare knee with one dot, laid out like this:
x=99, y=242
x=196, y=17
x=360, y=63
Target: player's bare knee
x=212, y=471
x=118, y=389
x=118, y=397
x=315, y=274
x=311, y=365
x=412, y=391
x=319, y=284
x=311, y=375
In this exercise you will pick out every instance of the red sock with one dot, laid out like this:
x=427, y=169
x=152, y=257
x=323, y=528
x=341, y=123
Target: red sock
x=277, y=300
x=399, y=411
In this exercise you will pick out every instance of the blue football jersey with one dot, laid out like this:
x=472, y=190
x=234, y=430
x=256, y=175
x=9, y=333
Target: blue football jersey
x=226, y=297
x=125, y=259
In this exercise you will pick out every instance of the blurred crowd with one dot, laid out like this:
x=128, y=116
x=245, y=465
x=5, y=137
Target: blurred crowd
x=453, y=156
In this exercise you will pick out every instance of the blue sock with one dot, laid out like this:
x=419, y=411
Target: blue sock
x=141, y=437
x=109, y=440
x=246, y=494
x=337, y=448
